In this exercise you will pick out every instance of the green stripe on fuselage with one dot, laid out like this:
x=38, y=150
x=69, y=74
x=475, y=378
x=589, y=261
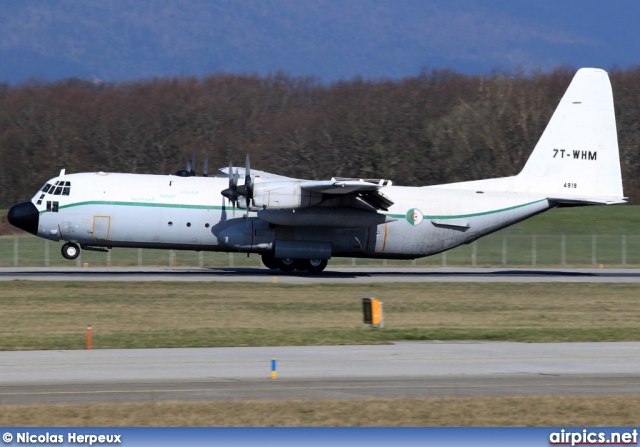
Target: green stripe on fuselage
x=483, y=213
x=223, y=208
x=144, y=204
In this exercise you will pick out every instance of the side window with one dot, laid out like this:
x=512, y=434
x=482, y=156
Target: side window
x=54, y=207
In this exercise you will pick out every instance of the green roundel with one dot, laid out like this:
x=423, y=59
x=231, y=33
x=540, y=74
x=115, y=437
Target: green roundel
x=414, y=216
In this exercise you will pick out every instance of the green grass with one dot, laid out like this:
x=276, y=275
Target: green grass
x=515, y=411
x=54, y=315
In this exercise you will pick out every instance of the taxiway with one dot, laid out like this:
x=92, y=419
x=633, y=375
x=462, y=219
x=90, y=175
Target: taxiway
x=405, y=369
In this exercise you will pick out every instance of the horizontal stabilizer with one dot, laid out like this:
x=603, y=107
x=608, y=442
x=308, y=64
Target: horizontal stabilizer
x=586, y=200
x=456, y=223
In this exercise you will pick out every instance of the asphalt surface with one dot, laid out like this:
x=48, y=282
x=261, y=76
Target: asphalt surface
x=406, y=369
x=335, y=275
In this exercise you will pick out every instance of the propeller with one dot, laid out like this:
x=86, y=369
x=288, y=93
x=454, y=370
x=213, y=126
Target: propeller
x=191, y=167
x=247, y=189
x=231, y=192
x=234, y=192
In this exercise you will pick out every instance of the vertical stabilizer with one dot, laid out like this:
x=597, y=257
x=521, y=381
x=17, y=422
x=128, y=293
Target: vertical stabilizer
x=577, y=156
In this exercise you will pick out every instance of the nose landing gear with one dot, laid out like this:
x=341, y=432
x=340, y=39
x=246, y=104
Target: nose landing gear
x=70, y=251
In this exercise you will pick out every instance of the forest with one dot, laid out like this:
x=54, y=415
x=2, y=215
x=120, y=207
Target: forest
x=437, y=127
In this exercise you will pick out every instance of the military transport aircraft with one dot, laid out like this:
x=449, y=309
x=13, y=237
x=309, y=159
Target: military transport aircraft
x=300, y=224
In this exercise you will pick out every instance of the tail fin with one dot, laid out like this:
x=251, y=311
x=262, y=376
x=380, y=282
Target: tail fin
x=576, y=160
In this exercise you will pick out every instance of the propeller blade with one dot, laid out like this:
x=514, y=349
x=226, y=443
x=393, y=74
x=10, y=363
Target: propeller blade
x=248, y=181
x=247, y=189
x=192, y=170
x=205, y=170
x=235, y=190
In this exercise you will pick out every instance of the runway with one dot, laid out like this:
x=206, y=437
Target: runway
x=334, y=275
x=406, y=369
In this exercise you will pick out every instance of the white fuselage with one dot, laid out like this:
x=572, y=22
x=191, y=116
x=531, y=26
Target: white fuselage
x=189, y=213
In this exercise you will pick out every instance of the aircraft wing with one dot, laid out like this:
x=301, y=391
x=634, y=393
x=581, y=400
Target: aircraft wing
x=259, y=174
x=367, y=191
x=338, y=187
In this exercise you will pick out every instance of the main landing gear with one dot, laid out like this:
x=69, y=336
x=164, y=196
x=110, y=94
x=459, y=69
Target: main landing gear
x=289, y=264
x=70, y=251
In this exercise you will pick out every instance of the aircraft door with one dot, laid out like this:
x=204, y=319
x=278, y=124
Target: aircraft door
x=101, y=227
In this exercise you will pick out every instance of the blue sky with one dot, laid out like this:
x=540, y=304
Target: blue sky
x=332, y=40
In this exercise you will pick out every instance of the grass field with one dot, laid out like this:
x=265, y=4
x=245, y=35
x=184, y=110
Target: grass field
x=54, y=315
x=478, y=411
x=564, y=237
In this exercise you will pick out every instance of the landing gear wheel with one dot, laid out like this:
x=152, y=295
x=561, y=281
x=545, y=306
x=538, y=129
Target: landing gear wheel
x=70, y=251
x=316, y=265
x=269, y=261
x=286, y=264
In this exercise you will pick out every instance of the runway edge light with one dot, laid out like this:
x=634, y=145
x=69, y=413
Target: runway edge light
x=372, y=311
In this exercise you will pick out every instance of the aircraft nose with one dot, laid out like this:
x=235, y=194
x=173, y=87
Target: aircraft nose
x=24, y=216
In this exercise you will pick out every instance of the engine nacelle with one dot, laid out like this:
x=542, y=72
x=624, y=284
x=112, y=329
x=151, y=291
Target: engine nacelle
x=247, y=235
x=283, y=195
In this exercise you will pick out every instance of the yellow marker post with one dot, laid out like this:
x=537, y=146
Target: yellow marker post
x=372, y=312
x=275, y=280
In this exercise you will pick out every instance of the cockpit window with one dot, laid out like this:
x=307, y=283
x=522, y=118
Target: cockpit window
x=61, y=188
x=46, y=187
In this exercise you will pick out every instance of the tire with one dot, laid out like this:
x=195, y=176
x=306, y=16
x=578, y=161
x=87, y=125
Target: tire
x=70, y=251
x=269, y=261
x=316, y=265
x=286, y=264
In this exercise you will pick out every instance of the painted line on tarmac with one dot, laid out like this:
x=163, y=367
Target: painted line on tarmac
x=372, y=359
x=312, y=388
